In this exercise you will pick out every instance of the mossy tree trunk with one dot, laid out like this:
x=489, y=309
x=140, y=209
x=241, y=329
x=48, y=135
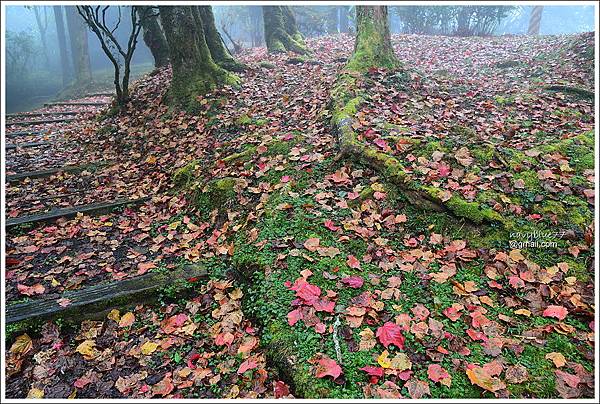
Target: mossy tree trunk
x=154, y=36
x=194, y=70
x=373, y=45
x=216, y=46
x=79, y=48
x=281, y=32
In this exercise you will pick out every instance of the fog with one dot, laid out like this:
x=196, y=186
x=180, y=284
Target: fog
x=33, y=62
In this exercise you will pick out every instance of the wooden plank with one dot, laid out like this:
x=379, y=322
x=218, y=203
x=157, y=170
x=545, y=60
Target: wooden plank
x=97, y=298
x=53, y=104
x=105, y=94
x=27, y=144
x=26, y=133
x=14, y=178
x=90, y=209
x=41, y=122
x=27, y=114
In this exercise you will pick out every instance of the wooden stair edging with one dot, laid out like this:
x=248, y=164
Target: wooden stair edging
x=28, y=114
x=27, y=133
x=90, y=209
x=82, y=103
x=42, y=122
x=14, y=178
x=95, y=299
x=13, y=146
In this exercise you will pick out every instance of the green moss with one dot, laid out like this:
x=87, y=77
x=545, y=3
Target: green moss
x=243, y=120
x=244, y=155
x=186, y=174
x=483, y=155
x=530, y=178
x=266, y=65
x=472, y=211
x=217, y=194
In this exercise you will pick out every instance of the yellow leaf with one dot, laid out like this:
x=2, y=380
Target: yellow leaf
x=54, y=282
x=149, y=347
x=127, y=319
x=524, y=312
x=35, y=393
x=384, y=361
x=151, y=160
x=114, y=315
x=22, y=345
x=86, y=348
x=401, y=362
x=557, y=358
x=480, y=377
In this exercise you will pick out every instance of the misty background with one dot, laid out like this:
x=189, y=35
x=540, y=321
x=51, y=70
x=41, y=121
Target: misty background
x=34, y=66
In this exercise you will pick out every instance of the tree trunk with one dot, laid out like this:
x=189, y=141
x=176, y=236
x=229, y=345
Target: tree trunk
x=204, y=17
x=79, y=48
x=154, y=37
x=373, y=45
x=194, y=70
x=281, y=32
x=344, y=20
x=62, y=43
x=534, y=21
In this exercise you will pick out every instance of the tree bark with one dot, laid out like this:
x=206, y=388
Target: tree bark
x=204, y=17
x=281, y=32
x=154, y=37
x=79, y=48
x=194, y=70
x=535, y=20
x=62, y=43
x=373, y=45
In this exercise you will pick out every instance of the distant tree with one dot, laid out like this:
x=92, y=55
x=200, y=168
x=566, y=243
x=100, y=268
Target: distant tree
x=41, y=20
x=20, y=51
x=256, y=25
x=95, y=18
x=194, y=70
x=372, y=46
x=281, y=31
x=153, y=35
x=534, y=21
x=79, y=48
x=452, y=20
x=344, y=19
x=62, y=44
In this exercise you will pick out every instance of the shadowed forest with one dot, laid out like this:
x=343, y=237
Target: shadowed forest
x=344, y=201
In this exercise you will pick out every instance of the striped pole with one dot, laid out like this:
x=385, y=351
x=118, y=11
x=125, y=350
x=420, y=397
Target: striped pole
x=534, y=21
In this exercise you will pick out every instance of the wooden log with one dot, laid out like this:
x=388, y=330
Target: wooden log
x=14, y=178
x=90, y=209
x=31, y=123
x=98, y=298
x=27, y=133
x=27, y=114
x=82, y=103
x=27, y=144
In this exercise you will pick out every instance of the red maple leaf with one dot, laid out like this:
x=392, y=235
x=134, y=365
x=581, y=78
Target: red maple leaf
x=389, y=334
x=328, y=367
x=353, y=281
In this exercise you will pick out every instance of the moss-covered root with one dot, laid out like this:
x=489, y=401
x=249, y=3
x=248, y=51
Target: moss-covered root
x=345, y=103
x=373, y=47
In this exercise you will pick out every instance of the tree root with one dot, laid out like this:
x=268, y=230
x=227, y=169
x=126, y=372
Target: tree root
x=344, y=105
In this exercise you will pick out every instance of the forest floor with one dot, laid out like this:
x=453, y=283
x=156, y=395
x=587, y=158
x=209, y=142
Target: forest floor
x=328, y=278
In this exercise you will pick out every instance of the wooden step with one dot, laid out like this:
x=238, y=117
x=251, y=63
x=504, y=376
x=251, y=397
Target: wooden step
x=90, y=209
x=28, y=114
x=27, y=133
x=14, y=178
x=27, y=144
x=95, y=299
x=101, y=94
x=31, y=123
x=99, y=104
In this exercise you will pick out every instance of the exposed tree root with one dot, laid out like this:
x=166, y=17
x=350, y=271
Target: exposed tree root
x=345, y=101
